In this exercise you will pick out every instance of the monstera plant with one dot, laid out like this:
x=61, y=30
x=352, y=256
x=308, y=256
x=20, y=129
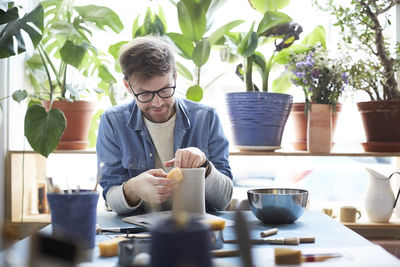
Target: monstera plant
x=13, y=24
x=65, y=52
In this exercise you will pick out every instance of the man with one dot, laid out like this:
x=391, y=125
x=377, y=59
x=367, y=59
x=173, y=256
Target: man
x=138, y=142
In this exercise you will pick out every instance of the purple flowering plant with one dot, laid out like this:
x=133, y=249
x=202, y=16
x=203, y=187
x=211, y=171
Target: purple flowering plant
x=323, y=79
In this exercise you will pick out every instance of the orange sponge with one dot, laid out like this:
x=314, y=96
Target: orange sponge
x=109, y=248
x=176, y=173
x=287, y=256
x=215, y=224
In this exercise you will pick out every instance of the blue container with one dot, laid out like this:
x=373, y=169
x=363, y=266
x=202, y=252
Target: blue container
x=73, y=216
x=176, y=246
x=258, y=118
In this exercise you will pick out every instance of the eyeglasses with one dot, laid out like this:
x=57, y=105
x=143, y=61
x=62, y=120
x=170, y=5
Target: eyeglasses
x=147, y=96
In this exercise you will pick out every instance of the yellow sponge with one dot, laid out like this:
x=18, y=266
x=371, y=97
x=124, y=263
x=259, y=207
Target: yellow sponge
x=109, y=248
x=176, y=173
x=215, y=224
x=287, y=256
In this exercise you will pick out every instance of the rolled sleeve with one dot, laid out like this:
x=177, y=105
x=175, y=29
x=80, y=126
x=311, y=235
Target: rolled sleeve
x=116, y=200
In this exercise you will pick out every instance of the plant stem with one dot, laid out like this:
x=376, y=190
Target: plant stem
x=198, y=75
x=43, y=51
x=248, y=73
x=267, y=71
x=390, y=86
x=47, y=72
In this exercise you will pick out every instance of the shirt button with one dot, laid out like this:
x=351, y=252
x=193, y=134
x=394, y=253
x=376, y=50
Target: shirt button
x=151, y=154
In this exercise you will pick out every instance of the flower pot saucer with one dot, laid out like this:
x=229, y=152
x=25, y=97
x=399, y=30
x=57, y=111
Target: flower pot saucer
x=381, y=146
x=302, y=145
x=72, y=145
x=258, y=148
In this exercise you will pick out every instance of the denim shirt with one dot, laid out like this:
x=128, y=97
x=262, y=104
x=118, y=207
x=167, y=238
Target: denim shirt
x=125, y=146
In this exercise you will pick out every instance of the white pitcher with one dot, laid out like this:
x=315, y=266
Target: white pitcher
x=379, y=197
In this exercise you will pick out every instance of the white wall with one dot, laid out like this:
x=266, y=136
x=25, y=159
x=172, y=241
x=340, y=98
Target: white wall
x=3, y=132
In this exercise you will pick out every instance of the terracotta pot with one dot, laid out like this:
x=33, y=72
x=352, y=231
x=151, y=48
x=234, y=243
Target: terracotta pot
x=319, y=128
x=299, y=120
x=78, y=115
x=381, y=125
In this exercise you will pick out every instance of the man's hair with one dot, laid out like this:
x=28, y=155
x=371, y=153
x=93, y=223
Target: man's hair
x=146, y=57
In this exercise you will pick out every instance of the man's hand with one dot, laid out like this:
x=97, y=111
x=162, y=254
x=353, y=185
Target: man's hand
x=150, y=186
x=190, y=157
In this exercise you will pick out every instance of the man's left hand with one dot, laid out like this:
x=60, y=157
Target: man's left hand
x=190, y=157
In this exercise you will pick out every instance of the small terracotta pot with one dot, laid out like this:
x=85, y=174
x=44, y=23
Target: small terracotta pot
x=319, y=128
x=78, y=115
x=299, y=120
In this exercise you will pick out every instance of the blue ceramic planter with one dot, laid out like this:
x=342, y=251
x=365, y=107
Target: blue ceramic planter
x=73, y=216
x=258, y=118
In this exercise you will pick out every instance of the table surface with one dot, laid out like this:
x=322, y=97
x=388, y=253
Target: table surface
x=330, y=236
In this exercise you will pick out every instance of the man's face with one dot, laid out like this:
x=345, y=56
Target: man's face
x=158, y=109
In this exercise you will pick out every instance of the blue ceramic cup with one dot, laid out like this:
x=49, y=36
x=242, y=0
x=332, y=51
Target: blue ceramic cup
x=73, y=216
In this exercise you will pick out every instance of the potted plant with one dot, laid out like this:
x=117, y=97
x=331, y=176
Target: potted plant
x=66, y=50
x=193, y=44
x=257, y=116
x=362, y=24
x=195, y=41
x=323, y=80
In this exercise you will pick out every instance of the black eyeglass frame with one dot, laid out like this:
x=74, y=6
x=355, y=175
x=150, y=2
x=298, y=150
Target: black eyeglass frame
x=153, y=92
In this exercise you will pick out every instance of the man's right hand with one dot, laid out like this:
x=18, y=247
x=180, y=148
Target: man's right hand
x=150, y=186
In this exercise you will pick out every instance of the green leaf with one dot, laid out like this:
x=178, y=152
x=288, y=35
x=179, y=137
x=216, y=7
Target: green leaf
x=105, y=75
x=14, y=28
x=283, y=83
x=248, y=44
x=264, y=5
x=184, y=46
x=94, y=126
x=201, y=53
x=194, y=93
x=192, y=20
x=221, y=31
x=115, y=48
x=44, y=130
x=135, y=27
x=19, y=95
x=318, y=35
x=184, y=71
x=272, y=19
x=33, y=102
x=101, y=16
x=73, y=54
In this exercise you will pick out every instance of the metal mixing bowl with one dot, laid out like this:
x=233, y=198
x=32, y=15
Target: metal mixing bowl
x=277, y=205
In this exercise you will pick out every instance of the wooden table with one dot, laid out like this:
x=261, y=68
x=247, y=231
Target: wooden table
x=330, y=236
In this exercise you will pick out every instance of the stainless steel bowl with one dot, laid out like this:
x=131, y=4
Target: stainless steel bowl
x=277, y=205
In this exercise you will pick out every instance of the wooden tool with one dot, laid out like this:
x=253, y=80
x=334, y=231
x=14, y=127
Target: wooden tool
x=269, y=232
x=277, y=241
x=226, y=253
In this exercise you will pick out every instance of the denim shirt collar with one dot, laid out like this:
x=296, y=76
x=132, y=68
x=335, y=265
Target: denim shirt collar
x=136, y=122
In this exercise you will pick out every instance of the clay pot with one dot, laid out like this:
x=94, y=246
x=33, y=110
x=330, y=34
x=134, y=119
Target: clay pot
x=381, y=125
x=319, y=128
x=78, y=115
x=299, y=120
